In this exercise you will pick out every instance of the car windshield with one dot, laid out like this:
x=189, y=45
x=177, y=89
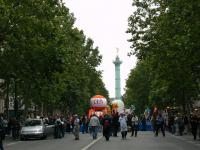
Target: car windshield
x=33, y=122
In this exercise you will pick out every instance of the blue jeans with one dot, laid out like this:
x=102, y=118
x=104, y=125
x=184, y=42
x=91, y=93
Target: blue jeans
x=94, y=131
x=83, y=128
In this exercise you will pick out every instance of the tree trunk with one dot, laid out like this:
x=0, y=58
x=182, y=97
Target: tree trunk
x=27, y=102
x=42, y=109
x=7, y=98
x=15, y=100
x=184, y=101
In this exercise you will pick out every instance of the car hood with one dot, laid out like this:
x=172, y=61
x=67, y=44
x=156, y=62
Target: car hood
x=31, y=128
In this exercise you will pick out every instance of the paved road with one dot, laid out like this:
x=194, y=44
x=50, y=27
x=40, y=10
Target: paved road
x=66, y=143
x=144, y=141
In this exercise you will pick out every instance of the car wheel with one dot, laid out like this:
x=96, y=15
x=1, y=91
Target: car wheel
x=22, y=138
x=44, y=136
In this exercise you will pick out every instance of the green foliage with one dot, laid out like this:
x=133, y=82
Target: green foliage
x=138, y=87
x=165, y=35
x=50, y=60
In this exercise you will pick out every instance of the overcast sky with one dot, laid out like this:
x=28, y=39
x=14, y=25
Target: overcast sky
x=105, y=21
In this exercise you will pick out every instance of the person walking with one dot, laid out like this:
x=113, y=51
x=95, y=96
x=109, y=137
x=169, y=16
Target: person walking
x=160, y=125
x=194, y=125
x=2, y=133
x=57, y=128
x=181, y=125
x=76, y=129
x=63, y=126
x=143, y=120
x=134, y=126
x=186, y=124
x=83, y=124
x=172, y=124
x=106, y=126
x=115, y=123
x=176, y=124
x=94, y=125
x=68, y=124
x=153, y=122
x=123, y=125
x=87, y=124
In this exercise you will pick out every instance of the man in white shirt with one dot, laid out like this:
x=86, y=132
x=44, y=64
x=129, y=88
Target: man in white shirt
x=94, y=125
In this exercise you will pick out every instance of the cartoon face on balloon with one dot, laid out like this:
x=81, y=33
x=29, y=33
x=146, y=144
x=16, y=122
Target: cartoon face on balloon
x=98, y=101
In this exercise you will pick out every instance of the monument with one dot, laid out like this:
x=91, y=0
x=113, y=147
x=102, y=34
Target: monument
x=117, y=103
x=117, y=63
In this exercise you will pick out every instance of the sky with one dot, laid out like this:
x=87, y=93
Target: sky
x=106, y=22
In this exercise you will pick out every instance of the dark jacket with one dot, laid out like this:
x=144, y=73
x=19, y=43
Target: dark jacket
x=106, y=126
x=2, y=131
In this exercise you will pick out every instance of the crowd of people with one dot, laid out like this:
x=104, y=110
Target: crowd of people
x=179, y=124
x=176, y=123
x=110, y=125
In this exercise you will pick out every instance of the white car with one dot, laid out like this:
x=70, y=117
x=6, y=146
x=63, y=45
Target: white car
x=35, y=128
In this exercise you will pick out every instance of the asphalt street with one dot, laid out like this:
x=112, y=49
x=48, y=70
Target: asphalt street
x=144, y=141
x=147, y=141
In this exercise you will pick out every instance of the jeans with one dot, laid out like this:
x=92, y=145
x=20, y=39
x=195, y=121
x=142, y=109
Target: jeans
x=160, y=126
x=115, y=129
x=173, y=129
x=134, y=129
x=124, y=133
x=94, y=131
x=83, y=128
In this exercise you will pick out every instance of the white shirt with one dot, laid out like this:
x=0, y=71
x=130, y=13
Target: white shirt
x=123, y=124
x=94, y=121
x=134, y=120
x=76, y=121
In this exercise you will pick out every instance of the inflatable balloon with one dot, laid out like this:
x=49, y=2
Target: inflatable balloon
x=98, y=106
x=118, y=105
x=98, y=102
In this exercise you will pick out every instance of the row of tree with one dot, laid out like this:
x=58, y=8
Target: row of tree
x=166, y=40
x=44, y=59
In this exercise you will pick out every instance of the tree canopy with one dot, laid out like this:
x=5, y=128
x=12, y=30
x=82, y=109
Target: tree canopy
x=165, y=36
x=44, y=59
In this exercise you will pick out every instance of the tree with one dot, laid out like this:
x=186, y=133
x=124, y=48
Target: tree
x=44, y=59
x=138, y=87
x=164, y=33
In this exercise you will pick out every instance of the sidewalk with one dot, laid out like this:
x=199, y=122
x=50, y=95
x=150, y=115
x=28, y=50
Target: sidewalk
x=9, y=141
